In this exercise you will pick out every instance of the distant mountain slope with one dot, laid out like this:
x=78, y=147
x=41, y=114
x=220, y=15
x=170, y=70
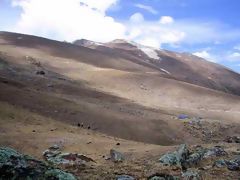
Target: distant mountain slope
x=181, y=66
x=109, y=89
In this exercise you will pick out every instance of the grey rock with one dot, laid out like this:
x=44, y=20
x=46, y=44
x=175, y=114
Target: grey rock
x=52, y=152
x=170, y=159
x=232, y=165
x=183, y=151
x=107, y=158
x=56, y=157
x=116, y=156
x=233, y=139
x=215, y=152
x=193, y=159
x=185, y=159
x=203, y=153
x=175, y=158
x=58, y=174
x=220, y=163
x=237, y=160
x=191, y=175
x=14, y=165
x=55, y=147
x=196, y=121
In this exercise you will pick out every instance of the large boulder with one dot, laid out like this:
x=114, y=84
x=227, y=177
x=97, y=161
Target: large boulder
x=193, y=159
x=176, y=158
x=232, y=165
x=184, y=159
x=14, y=165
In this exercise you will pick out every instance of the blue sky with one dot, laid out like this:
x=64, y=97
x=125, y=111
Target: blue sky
x=207, y=28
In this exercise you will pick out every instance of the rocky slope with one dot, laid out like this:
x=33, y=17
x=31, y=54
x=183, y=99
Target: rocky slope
x=107, y=91
x=91, y=98
x=181, y=66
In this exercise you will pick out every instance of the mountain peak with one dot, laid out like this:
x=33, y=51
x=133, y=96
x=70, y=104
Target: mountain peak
x=122, y=41
x=130, y=45
x=86, y=43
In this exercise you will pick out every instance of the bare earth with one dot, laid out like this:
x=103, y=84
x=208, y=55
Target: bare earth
x=47, y=88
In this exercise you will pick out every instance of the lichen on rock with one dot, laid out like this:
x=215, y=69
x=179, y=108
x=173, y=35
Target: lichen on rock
x=14, y=165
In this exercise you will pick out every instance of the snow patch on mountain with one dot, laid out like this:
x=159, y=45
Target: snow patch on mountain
x=97, y=43
x=164, y=70
x=87, y=43
x=122, y=41
x=150, y=52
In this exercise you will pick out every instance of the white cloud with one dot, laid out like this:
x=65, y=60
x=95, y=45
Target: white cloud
x=147, y=8
x=207, y=32
x=153, y=33
x=205, y=55
x=151, y=42
x=74, y=19
x=237, y=47
x=69, y=19
x=181, y=32
x=166, y=20
x=235, y=56
x=137, y=18
x=101, y=6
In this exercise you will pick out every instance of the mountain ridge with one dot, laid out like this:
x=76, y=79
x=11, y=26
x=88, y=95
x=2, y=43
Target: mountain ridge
x=115, y=92
x=183, y=66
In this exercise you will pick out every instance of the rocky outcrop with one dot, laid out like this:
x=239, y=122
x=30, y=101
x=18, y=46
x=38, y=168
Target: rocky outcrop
x=191, y=174
x=56, y=157
x=232, y=165
x=176, y=158
x=14, y=165
x=183, y=158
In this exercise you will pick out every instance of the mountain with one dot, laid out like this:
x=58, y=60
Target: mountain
x=180, y=66
x=92, y=98
x=86, y=43
x=111, y=78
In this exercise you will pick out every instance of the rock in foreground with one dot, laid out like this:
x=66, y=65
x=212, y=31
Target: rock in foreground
x=116, y=156
x=54, y=156
x=14, y=165
x=183, y=158
x=175, y=158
